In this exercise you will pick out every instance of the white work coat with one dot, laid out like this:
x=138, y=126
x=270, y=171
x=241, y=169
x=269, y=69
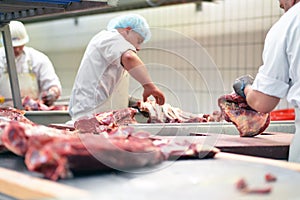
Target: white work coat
x=101, y=83
x=279, y=75
x=34, y=62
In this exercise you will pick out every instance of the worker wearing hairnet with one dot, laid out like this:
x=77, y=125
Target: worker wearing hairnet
x=279, y=76
x=102, y=80
x=36, y=74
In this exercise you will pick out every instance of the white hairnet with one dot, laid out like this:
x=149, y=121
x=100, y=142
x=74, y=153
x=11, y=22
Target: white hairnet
x=134, y=21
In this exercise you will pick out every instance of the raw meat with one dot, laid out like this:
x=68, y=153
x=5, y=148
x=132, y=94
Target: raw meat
x=15, y=115
x=106, y=121
x=270, y=177
x=169, y=114
x=30, y=104
x=15, y=135
x=8, y=114
x=57, y=155
x=248, y=121
x=243, y=187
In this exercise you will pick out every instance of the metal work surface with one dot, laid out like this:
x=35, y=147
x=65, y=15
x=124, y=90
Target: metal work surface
x=48, y=117
x=201, y=179
x=188, y=179
x=171, y=129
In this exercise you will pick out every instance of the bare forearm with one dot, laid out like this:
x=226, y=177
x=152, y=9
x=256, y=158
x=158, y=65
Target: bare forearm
x=260, y=101
x=136, y=68
x=138, y=71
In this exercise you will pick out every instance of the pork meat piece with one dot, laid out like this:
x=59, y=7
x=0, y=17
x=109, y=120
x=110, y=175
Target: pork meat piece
x=249, y=122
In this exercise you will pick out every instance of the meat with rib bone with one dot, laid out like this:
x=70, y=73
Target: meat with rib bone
x=248, y=121
x=169, y=114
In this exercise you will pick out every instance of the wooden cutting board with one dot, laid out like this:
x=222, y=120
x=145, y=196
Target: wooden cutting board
x=273, y=145
x=22, y=186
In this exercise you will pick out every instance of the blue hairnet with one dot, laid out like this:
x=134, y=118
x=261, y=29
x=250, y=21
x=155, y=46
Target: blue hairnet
x=134, y=21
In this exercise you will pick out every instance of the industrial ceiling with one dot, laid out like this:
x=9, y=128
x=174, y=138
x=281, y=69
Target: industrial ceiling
x=30, y=11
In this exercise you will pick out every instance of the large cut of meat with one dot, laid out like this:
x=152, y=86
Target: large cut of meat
x=8, y=114
x=248, y=121
x=106, y=121
x=57, y=155
x=15, y=134
x=60, y=155
x=169, y=114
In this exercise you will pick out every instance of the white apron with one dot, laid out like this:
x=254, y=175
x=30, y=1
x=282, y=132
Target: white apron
x=294, y=152
x=117, y=100
x=27, y=82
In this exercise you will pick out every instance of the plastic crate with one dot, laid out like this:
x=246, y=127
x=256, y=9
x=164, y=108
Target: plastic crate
x=283, y=114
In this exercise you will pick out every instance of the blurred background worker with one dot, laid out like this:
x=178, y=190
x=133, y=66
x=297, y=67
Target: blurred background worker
x=36, y=74
x=102, y=80
x=279, y=76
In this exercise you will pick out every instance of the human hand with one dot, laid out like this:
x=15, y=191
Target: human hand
x=48, y=97
x=151, y=89
x=240, y=84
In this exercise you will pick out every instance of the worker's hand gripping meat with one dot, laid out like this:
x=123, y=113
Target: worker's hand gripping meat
x=240, y=84
x=50, y=96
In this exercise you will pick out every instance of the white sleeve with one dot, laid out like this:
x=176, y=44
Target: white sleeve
x=273, y=75
x=43, y=68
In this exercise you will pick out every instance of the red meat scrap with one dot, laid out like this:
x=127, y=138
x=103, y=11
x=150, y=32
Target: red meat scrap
x=242, y=186
x=106, y=121
x=249, y=122
x=270, y=177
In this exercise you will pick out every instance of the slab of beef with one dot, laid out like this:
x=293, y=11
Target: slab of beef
x=8, y=114
x=15, y=134
x=248, y=121
x=169, y=114
x=106, y=121
x=57, y=155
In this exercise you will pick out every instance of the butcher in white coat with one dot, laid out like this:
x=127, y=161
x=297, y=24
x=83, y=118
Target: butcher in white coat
x=279, y=76
x=101, y=83
x=36, y=74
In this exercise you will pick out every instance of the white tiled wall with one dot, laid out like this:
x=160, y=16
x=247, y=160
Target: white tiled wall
x=194, y=56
